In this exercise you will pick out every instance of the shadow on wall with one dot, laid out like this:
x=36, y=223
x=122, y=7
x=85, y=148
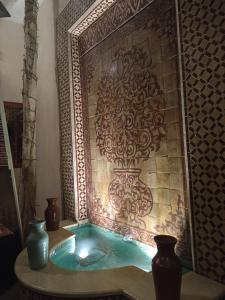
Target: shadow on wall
x=8, y=215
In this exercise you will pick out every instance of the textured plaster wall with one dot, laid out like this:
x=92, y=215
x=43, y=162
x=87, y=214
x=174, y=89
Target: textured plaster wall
x=11, y=64
x=11, y=60
x=48, y=165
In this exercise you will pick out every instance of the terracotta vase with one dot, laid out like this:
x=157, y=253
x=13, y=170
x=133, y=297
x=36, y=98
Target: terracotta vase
x=166, y=269
x=52, y=215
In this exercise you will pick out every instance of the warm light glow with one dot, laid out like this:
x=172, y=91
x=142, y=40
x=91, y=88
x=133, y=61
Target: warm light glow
x=149, y=250
x=152, y=252
x=83, y=253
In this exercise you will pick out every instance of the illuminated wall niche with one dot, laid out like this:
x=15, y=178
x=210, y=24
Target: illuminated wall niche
x=126, y=118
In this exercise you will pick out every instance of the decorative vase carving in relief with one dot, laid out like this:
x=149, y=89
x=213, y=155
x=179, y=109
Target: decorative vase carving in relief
x=52, y=215
x=129, y=125
x=166, y=269
x=129, y=196
x=37, y=245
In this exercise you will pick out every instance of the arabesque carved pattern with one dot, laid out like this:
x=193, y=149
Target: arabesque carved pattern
x=101, y=217
x=176, y=224
x=93, y=15
x=120, y=12
x=129, y=115
x=97, y=209
x=130, y=197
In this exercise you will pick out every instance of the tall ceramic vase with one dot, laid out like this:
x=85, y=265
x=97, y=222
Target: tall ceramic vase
x=52, y=215
x=166, y=269
x=37, y=245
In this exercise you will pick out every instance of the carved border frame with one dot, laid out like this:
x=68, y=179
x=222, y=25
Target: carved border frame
x=78, y=109
x=79, y=133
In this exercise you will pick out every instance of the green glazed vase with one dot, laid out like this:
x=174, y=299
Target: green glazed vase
x=37, y=245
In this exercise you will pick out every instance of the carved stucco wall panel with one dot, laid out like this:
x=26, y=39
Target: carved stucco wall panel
x=127, y=124
x=198, y=69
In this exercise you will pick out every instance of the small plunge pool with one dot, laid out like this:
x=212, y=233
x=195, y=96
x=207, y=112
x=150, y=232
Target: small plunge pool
x=95, y=248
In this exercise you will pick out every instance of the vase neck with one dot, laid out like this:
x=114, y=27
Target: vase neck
x=166, y=249
x=37, y=225
x=165, y=244
x=51, y=201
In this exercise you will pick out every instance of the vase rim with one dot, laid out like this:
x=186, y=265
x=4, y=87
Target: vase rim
x=51, y=200
x=127, y=170
x=36, y=222
x=165, y=239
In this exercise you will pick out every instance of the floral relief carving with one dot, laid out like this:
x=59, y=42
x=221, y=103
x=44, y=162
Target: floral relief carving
x=157, y=19
x=129, y=123
x=96, y=207
x=129, y=116
x=130, y=196
x=117, y=13
x=175, y=222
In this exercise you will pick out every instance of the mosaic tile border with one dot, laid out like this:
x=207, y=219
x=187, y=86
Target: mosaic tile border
x=72, y=12
x=202, y=39
x=93, y=15
x=79, y=131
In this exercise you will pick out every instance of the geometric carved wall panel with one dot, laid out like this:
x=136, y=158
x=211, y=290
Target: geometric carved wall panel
x=66, y=19
x=202, y=34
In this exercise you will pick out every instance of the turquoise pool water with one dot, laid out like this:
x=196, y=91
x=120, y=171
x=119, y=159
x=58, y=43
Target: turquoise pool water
x=100, y=249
